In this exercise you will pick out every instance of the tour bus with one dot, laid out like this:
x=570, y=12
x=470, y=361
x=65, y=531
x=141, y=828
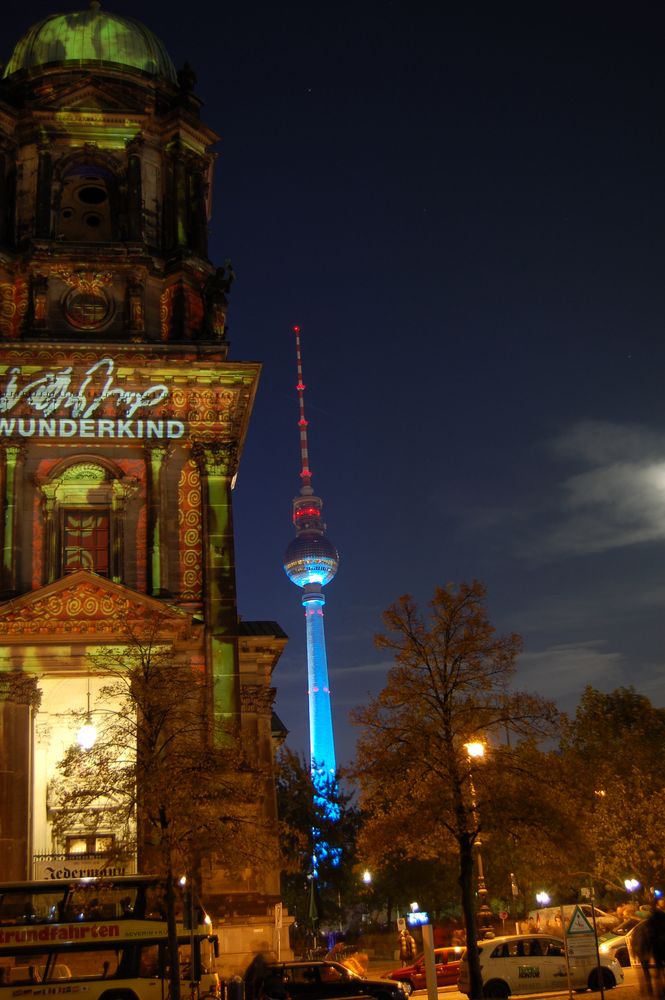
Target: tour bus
x=103, y=938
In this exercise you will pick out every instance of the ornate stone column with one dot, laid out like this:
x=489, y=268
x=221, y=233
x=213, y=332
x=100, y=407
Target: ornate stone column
x=13, y=456
x=19, y=696
x=135, y=295
x=134, y=191
x=217, y=463
x=169, y=215
x=3, y=191
x=181, y=200
x=43, y=207
x=157, y=551
x=198, y=191
x=50, y=552
x=122, y=490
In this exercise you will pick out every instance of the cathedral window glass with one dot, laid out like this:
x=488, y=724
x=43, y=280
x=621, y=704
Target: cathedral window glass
x=87, y=310
x=84, y=504
x=86, y=536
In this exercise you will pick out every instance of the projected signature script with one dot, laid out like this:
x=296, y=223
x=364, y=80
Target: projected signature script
x=55, y=390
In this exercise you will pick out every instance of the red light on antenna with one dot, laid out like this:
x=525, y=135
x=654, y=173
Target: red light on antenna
x=296, y=329
x=300, y=385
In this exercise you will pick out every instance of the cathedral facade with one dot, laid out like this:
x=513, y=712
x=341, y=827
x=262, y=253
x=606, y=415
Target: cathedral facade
x=122, y=422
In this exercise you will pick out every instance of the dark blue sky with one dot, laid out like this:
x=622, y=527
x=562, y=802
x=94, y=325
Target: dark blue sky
x=462, y=206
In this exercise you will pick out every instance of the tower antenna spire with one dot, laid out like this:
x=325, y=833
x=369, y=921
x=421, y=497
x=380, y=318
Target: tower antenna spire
x=311, y=562
x=305, y=473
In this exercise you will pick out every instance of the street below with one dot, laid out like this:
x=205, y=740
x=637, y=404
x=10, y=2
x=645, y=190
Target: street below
x=628, y=990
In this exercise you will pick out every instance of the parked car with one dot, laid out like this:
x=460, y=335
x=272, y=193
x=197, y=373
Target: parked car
x=446, y=961
x=614, y=943
x=535, y=963
x=318, y=980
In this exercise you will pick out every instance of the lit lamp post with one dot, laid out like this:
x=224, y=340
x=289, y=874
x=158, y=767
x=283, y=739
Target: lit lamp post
x=476, y=751
x=367, y=881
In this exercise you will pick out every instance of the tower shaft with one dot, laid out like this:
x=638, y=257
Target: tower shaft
x=321, y=739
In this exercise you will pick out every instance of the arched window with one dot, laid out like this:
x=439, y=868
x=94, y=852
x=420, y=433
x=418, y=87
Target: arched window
x=84, y=505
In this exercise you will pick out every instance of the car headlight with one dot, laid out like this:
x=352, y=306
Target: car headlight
x=405, y=988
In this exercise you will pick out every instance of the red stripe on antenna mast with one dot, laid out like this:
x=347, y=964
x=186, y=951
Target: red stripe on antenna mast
x=305, y=473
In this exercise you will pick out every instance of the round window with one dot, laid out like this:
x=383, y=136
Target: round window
x=87, y=310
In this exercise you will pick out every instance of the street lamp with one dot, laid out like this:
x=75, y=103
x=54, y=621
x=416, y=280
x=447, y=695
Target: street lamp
x=542, y=898
x=367, y=882
x=87, y=734
x=476, y=751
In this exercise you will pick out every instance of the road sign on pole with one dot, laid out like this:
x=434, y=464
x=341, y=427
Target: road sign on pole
x=580, y=936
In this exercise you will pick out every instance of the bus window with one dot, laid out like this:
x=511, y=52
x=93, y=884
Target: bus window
x=155, y=903
x=24, y=907
x=149, y=961
x=98, y=964
x=100, y=902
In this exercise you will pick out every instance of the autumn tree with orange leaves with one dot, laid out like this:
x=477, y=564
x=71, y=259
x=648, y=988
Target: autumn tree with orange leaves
x=450, y=685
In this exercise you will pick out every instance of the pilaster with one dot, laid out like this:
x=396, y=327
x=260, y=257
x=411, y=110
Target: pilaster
x=217, y=464
x=158, y=575
x=19, y=696
x=10, y=551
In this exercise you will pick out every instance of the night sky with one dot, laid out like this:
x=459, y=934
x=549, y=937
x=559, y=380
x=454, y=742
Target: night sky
x=463, y=207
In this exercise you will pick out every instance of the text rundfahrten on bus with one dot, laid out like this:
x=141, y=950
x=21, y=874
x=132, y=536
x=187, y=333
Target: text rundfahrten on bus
x=103, y=938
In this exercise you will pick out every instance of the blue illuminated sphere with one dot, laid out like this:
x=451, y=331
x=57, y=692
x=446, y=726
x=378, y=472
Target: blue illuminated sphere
x=311, y=558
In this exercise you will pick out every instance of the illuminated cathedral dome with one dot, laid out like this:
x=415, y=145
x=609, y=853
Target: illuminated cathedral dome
x=311, y=558
x=91, y=36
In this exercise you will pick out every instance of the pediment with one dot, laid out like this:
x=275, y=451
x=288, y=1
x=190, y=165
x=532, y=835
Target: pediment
x=86, y=606
x=87, y=95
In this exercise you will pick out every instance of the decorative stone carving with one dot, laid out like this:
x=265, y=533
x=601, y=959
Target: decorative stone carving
x=215, y=458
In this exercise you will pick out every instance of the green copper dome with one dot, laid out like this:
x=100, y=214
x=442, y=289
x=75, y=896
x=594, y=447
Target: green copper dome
x=91, y=36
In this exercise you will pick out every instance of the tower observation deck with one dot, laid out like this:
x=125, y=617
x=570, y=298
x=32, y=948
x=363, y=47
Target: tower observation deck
x=311, y=561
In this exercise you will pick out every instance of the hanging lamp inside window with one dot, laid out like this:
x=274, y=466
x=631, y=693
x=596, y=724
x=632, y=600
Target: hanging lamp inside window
x=87, y=734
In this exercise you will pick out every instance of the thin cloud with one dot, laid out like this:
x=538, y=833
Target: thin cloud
x=561, y=672
x=620, y=500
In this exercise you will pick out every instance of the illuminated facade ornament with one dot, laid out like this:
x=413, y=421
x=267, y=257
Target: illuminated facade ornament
x=122, y=421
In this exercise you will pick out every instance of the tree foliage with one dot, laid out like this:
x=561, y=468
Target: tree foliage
x=612, y=752
x=159, y=775
x=301, y=812
x=450, y=685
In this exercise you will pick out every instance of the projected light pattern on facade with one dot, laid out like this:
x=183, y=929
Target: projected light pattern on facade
x=311, y=561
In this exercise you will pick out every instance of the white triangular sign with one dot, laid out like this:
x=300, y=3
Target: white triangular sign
x=579, y=923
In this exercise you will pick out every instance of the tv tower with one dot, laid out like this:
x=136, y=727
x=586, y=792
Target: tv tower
x=311, y=562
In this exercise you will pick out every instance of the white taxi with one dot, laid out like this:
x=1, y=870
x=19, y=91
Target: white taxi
x=535, y=963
